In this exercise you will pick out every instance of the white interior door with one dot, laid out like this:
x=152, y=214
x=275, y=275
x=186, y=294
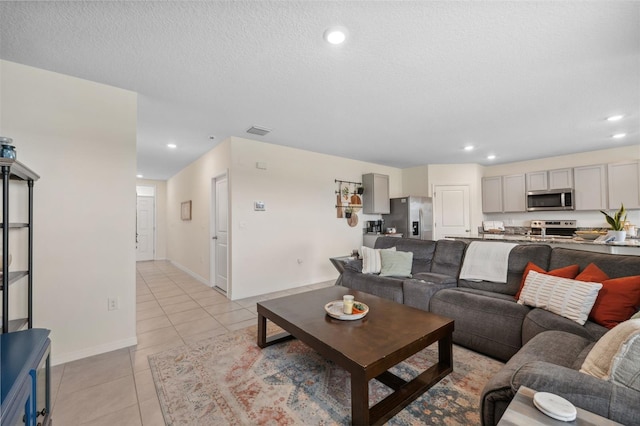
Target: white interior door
x=451, y=206
x=145, y=225
x=219, y=237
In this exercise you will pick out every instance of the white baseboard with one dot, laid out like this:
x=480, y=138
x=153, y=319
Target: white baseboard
x=57, y=359
x=191, y=273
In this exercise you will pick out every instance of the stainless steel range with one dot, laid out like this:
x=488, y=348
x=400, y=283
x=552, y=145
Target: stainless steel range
x=553, y=228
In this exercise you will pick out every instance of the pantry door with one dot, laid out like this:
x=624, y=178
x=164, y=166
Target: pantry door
x=451, y=211
x=219, y=233
x=145, y=228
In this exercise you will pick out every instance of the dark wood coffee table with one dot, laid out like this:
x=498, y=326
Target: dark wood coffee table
x=366, y=348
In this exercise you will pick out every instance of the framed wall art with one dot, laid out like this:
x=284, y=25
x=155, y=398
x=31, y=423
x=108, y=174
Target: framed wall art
x=185, y=210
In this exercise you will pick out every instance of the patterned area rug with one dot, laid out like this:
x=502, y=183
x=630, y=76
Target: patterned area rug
x=229, y=380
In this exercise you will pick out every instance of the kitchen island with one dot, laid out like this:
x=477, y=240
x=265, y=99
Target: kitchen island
x=631, y=246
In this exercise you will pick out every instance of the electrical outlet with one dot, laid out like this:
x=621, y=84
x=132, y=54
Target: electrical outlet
x=112, y=303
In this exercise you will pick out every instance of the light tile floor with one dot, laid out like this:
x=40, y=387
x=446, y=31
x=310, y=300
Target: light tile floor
x=116, y=388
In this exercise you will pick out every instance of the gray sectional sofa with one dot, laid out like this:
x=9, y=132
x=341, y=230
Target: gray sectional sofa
x=542, y=350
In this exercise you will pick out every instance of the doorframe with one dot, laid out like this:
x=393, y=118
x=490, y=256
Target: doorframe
x=213, y=230
x=155, y=217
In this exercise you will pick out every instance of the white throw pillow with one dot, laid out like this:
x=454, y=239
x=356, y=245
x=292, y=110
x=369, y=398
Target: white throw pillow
x=371, y=262
x=616, y=356
x=570, y=298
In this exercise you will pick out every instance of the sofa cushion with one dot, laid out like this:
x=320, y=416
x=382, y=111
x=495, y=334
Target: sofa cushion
x=538, y=321
x=422, y=251
x=418, y=292
x=386, y=287
x=569, y=298
x=396, y=263
x=614, y=265
x=432, y=277
x=487, y=322
x=447, y=258
x=616, y=356
x=518, y=259
x=555, y=347
x=565, y=272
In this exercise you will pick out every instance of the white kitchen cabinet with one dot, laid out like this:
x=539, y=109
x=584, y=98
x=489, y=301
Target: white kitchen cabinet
x=550, y=179
x=375, y=199
x=561, y=178
x=537, y=181
x=590, y=185
x=624, y=184
x=492, y=194
x=513, y=194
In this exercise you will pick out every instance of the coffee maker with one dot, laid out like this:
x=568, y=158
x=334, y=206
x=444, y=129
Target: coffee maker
x=375, y=226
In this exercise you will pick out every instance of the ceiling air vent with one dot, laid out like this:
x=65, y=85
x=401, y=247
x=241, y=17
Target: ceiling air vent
x=256, y=130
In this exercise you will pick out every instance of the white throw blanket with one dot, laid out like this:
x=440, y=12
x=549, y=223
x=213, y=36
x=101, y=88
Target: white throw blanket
x=486, y=261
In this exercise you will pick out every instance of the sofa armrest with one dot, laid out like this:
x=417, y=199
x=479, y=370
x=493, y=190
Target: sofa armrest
x=354, y=265
x=601, y=397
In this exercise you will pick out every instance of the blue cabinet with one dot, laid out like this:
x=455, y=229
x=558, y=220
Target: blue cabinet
x=25, y=380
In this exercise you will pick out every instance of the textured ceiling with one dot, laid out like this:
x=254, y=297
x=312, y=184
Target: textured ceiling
x=413, y=83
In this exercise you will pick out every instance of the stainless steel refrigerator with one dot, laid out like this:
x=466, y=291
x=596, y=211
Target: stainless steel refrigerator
x=411, y=216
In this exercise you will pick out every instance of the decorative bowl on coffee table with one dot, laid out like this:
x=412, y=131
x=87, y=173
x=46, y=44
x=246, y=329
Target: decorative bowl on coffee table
x=334, y=310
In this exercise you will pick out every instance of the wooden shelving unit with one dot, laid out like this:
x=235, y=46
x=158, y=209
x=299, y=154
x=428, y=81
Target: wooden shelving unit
x=12, y=170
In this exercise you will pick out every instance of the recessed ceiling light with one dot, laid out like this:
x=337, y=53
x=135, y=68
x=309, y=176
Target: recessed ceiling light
x=491, y=157
x=172, y=145
x=139, y=176
x=619, y=135
x=335, y=35
x=469, y=148
x=615, y=118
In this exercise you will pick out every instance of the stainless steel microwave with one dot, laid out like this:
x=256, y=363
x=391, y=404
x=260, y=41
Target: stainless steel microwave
x=551, y=199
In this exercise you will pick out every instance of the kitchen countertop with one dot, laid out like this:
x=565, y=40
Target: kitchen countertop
x=629, y=242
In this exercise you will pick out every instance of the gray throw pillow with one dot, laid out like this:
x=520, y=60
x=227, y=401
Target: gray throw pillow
x=396, y=263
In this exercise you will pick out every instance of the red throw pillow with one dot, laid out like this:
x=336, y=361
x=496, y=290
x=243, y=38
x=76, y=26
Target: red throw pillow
x=617, y=301
x=592, y=274
x=566, y=272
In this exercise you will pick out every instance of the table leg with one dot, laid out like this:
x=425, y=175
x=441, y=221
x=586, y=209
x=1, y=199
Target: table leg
x=359, y=399
x=262, y=331
x=445, y=351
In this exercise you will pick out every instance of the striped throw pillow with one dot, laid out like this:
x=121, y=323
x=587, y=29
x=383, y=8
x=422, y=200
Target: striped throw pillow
x=371, y=262
x=569, y=298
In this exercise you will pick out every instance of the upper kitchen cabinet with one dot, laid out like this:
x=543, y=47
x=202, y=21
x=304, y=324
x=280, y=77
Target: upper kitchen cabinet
x=537, y=181
x=513, y=194
x=624, y=184
x=492, y=194
x=550, y=179
x=376, y=194
x=590, y=185
x=560, y=178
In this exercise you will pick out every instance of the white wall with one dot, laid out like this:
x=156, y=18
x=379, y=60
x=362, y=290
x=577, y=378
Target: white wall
x=415, y=181
x=584, y=218
x=161, y=215
x=299, y=222
x=80, y=137
x=300, y=219
x=188, y=241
